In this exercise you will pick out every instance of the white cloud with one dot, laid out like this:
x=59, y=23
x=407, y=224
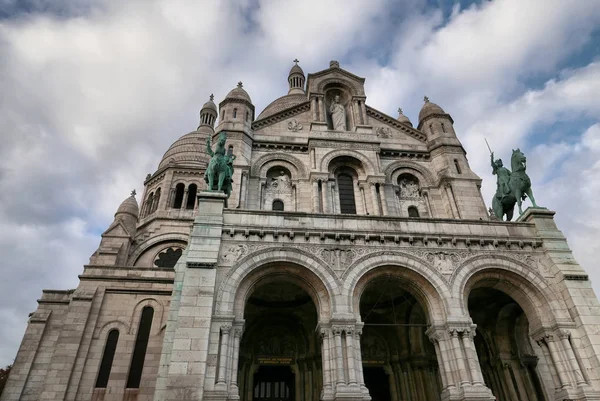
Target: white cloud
x=93, y=98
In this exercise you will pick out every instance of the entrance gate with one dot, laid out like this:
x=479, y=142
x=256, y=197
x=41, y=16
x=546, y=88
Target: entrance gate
x=274, y=383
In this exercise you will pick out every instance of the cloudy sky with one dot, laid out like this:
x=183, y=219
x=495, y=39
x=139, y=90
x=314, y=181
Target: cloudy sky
x=94, y=91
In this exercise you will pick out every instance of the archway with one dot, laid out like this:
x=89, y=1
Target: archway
x=399, y=361
x=508, y=360
x=280, y=355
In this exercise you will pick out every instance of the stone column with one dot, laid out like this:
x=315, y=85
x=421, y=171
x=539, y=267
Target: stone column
x=374, y=200
x=363, y=200
x=313, y=107
x=261, y=197
x=339, y=362
x=325, y=197
x=234, y=391
x=326, y=362
x=363, y=108
x=356, y=112
x=221, y=381
x=384, y=204
x=350, y=356
x=458, y=356
x=295, y=197
x=313, y=158
x=427, y=202
x=556, y=360
x=472, y=360
x=315, y=186
x=321, y=109
x=571, y=358
x=185, y=199
x=171, y=198
x=358, y=356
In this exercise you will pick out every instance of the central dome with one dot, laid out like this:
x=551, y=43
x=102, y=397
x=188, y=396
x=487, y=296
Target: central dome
x=239, y=93
x=188, y=151
x=283, y=103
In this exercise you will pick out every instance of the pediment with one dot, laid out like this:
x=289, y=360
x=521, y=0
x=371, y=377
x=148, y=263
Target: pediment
x=379, y=119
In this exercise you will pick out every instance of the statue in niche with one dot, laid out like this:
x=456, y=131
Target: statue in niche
x=338, y=114
x=280, y=184
x=409, y=188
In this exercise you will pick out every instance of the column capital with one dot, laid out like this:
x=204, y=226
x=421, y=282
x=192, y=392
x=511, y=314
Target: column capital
x=225, y=328
x=337, y=330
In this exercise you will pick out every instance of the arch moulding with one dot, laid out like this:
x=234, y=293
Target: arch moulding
x=528, y=288
x=398, y=167
x=422, y=281
x=300, y=267
x=259, y=167
x=367, y=165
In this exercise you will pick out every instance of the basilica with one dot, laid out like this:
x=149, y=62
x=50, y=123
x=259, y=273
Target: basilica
x=352, y=257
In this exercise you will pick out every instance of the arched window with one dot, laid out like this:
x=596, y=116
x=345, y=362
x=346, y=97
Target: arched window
x=278, y=205
x=413, y=211
x=107, y=358
x=140, y=347
x=179, y=188
x=346, y=189
x=191, y=200
x=155, y=201
x=149, y=202
x=168, y=258
x=458, y=170
x=234, y=113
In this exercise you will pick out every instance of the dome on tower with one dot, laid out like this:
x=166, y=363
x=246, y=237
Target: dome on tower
x=402, y=118
x=210, y=104
x=429, y=108
x=238, y=93
x=188, y=151
x=296, y=70
x=129, y=206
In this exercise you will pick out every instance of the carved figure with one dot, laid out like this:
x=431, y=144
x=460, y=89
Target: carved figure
x=511, y=187
x=338, y=114
x=409, y=189
x=220, y=167
x=294, y=126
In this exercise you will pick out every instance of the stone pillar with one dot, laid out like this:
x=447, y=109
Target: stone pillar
x=223, y=356
x=571, y=359
x=557, y=360
x=315, y=185
x=313, y=158
x=181, y=376
x=472, y=360
x=358, y=356
x=356, y=112
x=350, y=356
x=374, y=200
x=321, y=109
x=234, y=391
x=185, y=199
x=327, y=365
x=325, y=197
x=313, y=107
x=384, y=204
x=363, y=200
x=427, y=203
x=365, y=119
x=339, y=362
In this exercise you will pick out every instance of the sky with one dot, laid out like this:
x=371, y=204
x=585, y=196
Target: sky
x=93, y=92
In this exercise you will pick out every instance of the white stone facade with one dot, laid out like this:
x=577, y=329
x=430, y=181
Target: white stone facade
x=379, y=274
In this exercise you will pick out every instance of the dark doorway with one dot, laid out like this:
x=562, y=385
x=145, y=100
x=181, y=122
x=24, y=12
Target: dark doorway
x=274, y=383
x=377, y=382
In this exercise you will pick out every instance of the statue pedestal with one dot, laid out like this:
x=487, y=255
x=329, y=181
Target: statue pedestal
x=185, y=364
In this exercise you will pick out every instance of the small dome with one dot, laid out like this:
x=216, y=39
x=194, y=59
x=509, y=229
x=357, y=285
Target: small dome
x=238, y=93
x=283, y=103
x=129, y=206
x=402, y=118
x=189, y=151
x=296, y=68
x=429, y=108
x=210, y=104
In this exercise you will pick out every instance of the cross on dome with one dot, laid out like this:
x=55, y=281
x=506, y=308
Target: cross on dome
x=133, y=193
x=426, y=99
x=240, y=84
x=212, y=97
x=296, y=61
x=399, y=110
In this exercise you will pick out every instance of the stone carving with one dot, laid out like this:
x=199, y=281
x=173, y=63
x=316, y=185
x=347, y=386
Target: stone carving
x=383, y=132
x=337, y=258
x=345, y=145
x=409, y=188
x=294, y=126
x=338, y=114
x=220, y=167
x=234, y=253
x=511, y=187
x=342, y=135
x=444, y=262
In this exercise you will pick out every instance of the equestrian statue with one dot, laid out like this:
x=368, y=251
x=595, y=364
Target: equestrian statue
x=511, y=187
x=219, y=172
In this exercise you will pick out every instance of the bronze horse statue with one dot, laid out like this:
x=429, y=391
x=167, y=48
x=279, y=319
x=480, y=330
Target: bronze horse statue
x=220, y=167
x=512, y=187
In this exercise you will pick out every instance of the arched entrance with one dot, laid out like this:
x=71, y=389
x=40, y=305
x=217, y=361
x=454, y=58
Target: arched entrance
x=280, y=357
x=399, y=361
x=506, y=354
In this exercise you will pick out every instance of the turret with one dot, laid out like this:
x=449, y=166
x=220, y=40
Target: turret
x=208, y=116
x=296, y=80
x=118, y=237
x=237, y=108
x=437, y=124
x=402, y=118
